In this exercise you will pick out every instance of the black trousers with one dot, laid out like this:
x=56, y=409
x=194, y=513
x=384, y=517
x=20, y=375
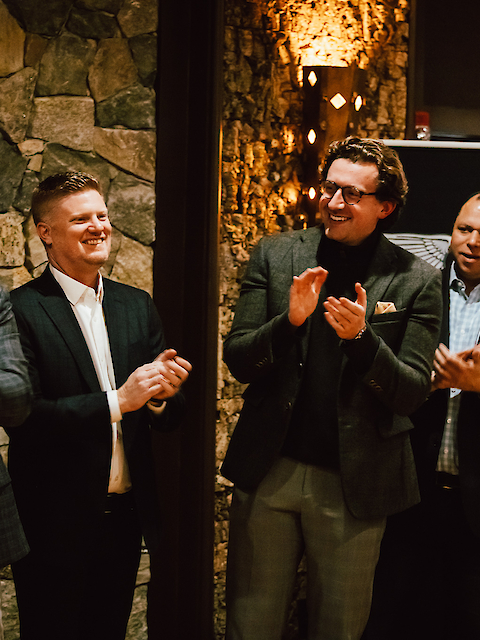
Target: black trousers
x=427, y=582
x=87, y=595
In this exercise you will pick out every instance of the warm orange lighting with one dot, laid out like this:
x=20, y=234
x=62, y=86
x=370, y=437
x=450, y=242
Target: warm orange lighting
x=338, y=101
x=358, y=103
x=312, y=136
x=312, y=193
x=312, y=78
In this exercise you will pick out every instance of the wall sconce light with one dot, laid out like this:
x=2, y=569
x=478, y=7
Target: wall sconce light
x=332, y=100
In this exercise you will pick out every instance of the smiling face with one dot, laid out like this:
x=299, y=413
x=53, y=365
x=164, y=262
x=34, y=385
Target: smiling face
x=77, y=234
x=465, y=243
x=351, y=224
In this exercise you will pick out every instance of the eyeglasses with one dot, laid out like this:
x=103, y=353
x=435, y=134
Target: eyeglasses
x=351, y=195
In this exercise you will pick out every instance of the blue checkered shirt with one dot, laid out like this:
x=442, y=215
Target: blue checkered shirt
x=464, y=322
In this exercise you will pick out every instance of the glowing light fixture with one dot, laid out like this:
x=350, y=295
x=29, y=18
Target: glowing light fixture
x=312, y=78
x=333, y=99
x=338, y=101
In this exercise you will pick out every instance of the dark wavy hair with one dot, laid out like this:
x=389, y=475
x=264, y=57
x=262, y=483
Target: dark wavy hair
x=58, y=186
x=392, y=183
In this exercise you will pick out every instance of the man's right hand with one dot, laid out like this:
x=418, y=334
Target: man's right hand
x=141, y=385
x=160, y=379
x=304, y=294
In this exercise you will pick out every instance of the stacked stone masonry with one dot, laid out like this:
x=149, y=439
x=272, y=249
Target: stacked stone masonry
x=77, y=93
x=266, y=44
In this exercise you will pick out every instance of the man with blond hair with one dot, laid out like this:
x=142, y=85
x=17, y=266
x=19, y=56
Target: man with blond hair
x=81, y=464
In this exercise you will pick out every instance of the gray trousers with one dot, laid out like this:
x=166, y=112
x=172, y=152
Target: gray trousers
x=299, y=508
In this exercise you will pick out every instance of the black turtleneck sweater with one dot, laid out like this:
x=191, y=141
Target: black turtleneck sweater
x=313, y=433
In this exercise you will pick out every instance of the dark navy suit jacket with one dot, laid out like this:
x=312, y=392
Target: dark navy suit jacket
x=60, y=457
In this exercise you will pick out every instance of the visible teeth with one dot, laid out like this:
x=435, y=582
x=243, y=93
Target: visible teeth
x=96, y=241
x=338, y=218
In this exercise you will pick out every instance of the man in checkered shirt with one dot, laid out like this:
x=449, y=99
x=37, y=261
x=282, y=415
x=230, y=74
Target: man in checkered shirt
x=427, y=583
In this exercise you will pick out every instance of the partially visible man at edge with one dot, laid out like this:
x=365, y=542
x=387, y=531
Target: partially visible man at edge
x=81, y=464
x=427, y=583
x=335, y=331
x=15, y=403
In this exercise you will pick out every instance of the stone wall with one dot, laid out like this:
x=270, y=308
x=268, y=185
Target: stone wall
x=266, y=44
x=77, y=92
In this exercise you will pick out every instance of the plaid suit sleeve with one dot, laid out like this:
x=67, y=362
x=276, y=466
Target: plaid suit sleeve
x=15, y=389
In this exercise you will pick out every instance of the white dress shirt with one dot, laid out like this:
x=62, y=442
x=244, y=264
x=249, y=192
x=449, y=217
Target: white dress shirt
x=87, y=306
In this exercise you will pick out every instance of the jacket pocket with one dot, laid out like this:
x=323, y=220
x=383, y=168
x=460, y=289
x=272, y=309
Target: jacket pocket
x=381, y=318
x=254, y=394
x=390, y=327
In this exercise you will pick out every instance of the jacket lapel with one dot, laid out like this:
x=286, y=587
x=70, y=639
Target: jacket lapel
x=59, y=310
x=115, y=309
x=304, y=256
x=380, y=274
x=445, y=329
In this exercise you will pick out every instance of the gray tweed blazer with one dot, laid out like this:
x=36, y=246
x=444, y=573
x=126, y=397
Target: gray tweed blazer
x=376, y=461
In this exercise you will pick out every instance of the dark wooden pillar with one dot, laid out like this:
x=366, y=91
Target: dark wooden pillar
x=186, y=294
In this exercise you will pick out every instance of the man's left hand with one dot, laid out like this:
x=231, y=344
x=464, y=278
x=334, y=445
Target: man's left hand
x=457, y=370
x=173, y=371
x=345, y=316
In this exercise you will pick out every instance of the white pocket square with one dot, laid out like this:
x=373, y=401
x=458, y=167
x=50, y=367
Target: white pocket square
x=384, y=307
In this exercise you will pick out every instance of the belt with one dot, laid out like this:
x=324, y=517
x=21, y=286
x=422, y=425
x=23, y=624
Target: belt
x=119, y=502
x=447, y=480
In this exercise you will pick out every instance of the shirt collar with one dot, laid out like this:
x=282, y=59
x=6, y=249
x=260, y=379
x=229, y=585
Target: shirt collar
x=455, y=283
x=458, y=286
x=75, y=290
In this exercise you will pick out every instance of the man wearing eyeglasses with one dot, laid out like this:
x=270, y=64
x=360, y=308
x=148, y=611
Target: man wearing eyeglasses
x=335, y=330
